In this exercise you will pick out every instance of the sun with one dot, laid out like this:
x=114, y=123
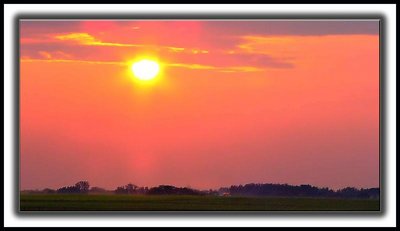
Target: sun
x=145, y=69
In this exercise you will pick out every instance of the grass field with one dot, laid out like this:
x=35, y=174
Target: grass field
x=29, y=202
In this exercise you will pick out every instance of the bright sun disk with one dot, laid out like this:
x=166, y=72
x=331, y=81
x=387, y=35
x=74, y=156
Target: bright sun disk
x=145, y=69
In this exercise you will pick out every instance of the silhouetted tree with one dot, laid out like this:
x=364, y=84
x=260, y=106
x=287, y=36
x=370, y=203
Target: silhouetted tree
x=127, y=189
x=82, y=186
x=79, y=187
x=68, y=189
x=298, y=191
x=349, y=192
x=142, y=190
x=120, y=190
x=172, y=190
x=131, y=188
x=252, y=189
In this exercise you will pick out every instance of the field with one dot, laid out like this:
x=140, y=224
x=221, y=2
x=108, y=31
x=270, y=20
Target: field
x=59, y=202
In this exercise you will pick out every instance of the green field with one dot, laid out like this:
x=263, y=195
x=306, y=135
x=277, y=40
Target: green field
x=31, y=202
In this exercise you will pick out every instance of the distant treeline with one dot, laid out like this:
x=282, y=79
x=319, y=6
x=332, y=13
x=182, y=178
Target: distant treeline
x=275, y=190
x=286, y=190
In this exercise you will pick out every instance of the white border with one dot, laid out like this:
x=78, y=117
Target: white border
x=388, y=219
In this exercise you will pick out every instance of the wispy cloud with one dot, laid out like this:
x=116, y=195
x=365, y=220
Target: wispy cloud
x=87, y=39
x=287, y=45
x=54, y=55
x=45, y=54
x=191, y=66
x=278, y=47
x=197, y=51
x=216, y=68
x=241, y=69
x=72, y=61
x=177, y=65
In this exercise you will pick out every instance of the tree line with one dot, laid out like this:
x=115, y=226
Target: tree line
x=268, y=189
x=286, y=190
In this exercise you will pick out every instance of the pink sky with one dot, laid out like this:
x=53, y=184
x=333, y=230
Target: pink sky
x=236, y=102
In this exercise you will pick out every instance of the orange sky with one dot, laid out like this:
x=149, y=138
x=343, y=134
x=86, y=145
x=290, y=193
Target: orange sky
x=236, y=102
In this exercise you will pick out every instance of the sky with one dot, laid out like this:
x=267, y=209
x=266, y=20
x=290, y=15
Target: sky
x=235, y=102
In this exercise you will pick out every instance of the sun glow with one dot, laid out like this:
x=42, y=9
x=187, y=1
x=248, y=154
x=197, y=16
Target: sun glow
x=145, y=69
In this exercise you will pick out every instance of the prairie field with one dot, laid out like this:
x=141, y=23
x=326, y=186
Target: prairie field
x=111, y=202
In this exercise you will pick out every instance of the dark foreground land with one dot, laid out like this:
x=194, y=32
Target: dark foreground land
x=112, y=202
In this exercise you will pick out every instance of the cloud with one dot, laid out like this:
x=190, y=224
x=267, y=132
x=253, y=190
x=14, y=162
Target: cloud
x=294, y=27
x=176, y=49
x=265, y=60
x=27, y=59
x=45, y=54
x=274, y=46
x=289, y=51
x=47, y=58
x=54, y=55
x=258, y=44
x=216, y=68
x=252, y=54
x=197, y=51
x=241, y=69
x=191, y=66
x=87, y=39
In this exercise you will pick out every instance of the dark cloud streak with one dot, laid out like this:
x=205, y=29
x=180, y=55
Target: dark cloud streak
x=304, y=27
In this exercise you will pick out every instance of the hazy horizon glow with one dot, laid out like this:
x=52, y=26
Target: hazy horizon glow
x=235, y=102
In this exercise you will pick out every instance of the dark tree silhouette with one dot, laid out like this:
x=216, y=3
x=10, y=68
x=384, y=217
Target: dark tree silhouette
x=297, y=191
x=131, y=188
x=280, y=190
x=68, y=189
x=79, y=187
x=172, y=190
x=83, y=186
x=127, y=189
